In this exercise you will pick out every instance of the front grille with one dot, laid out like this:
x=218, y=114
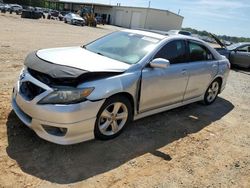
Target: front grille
x=30, y=90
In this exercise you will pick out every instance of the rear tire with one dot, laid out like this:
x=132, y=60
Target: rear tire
x=212, y=92
x=113, y=117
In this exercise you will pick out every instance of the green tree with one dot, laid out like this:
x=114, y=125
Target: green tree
x=222, y=37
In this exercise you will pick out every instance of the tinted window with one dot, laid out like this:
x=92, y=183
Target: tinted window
x=198, y=52
x=173, y=51
x=244, y=49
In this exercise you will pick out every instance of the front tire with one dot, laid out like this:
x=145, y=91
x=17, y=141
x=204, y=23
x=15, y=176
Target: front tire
x=113, y=117
x=212, y=92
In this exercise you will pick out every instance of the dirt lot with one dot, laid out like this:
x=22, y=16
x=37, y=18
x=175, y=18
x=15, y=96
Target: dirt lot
x=192, y=146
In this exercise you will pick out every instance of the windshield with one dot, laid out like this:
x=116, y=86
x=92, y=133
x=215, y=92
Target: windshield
x=75, y=16
x=123, y=46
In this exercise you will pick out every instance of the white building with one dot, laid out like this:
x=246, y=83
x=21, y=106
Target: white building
x=128, y=17
x=147, y=18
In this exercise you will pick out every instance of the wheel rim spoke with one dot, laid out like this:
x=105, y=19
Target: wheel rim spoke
x=117, y=107
x=106, y=114
x=123, y=115
x=104, y=126
x=114, y=126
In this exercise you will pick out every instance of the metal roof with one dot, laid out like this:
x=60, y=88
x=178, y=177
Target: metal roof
x=80, y=2
x=110, y=5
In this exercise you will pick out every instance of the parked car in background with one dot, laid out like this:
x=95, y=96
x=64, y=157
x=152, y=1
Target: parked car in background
x=181, y=32
x=4, y=8
x=53, y=14
x=32, y=13
x=74, y=19
x=15, y=8
x=70, y=95
x=62, y=14
x=238, y=53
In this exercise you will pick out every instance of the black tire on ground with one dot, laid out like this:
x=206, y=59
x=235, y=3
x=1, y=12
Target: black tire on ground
x=108, y=103
x=212, y=92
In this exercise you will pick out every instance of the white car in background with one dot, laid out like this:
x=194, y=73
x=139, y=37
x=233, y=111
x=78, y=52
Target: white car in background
x=74, y=19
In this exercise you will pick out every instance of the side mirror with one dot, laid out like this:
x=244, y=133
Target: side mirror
x=159, y=63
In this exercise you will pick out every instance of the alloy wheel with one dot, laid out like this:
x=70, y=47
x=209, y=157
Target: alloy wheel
x=113, y=118
x=213, y=91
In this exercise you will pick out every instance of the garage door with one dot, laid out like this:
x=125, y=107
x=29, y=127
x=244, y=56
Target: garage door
x=135, y=20
x=118, y=17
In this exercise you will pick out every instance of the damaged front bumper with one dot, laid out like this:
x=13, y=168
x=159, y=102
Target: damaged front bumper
x=61, y=124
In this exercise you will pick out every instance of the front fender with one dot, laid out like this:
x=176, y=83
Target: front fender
x=106, y=87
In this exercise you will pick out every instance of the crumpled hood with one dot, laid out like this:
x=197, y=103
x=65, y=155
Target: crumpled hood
x=78, y=57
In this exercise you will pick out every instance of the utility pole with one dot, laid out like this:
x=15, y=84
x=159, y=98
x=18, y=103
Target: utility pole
x=145, y=23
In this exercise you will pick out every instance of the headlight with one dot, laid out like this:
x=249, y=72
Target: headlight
x=67, y=96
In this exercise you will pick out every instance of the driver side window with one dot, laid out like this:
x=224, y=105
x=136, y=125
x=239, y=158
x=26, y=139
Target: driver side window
x=174, y=51
x=244, y=49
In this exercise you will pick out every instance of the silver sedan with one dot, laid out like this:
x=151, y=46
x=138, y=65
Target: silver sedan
x=74, y=19
x=74, y=94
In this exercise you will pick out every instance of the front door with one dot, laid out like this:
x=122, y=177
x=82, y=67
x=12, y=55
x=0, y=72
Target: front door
x=241, y=56
x=165, y=86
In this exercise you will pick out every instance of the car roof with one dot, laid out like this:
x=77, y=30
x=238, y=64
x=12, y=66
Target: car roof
x=244, y=43
x=158, y=34
x=146, y=33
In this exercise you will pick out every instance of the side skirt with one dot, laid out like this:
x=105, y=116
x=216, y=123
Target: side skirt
x=165, y=108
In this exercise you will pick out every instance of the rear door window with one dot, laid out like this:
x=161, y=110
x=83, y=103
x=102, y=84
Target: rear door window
x=198, y=52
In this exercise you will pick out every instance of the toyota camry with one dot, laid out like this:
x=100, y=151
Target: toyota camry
x=69, y=95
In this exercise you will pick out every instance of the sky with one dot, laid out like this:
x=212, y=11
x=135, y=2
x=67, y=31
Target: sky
x=223, y=17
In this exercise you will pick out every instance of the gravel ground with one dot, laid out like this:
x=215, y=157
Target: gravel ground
x=191, y=146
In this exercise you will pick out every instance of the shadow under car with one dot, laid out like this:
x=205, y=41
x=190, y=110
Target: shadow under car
x=73, y=163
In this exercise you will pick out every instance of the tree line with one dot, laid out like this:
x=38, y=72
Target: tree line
x=222, y=37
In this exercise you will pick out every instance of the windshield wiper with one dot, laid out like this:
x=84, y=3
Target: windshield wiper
x=99, y=53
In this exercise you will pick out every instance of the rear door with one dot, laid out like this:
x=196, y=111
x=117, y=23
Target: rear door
x=202, y=68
